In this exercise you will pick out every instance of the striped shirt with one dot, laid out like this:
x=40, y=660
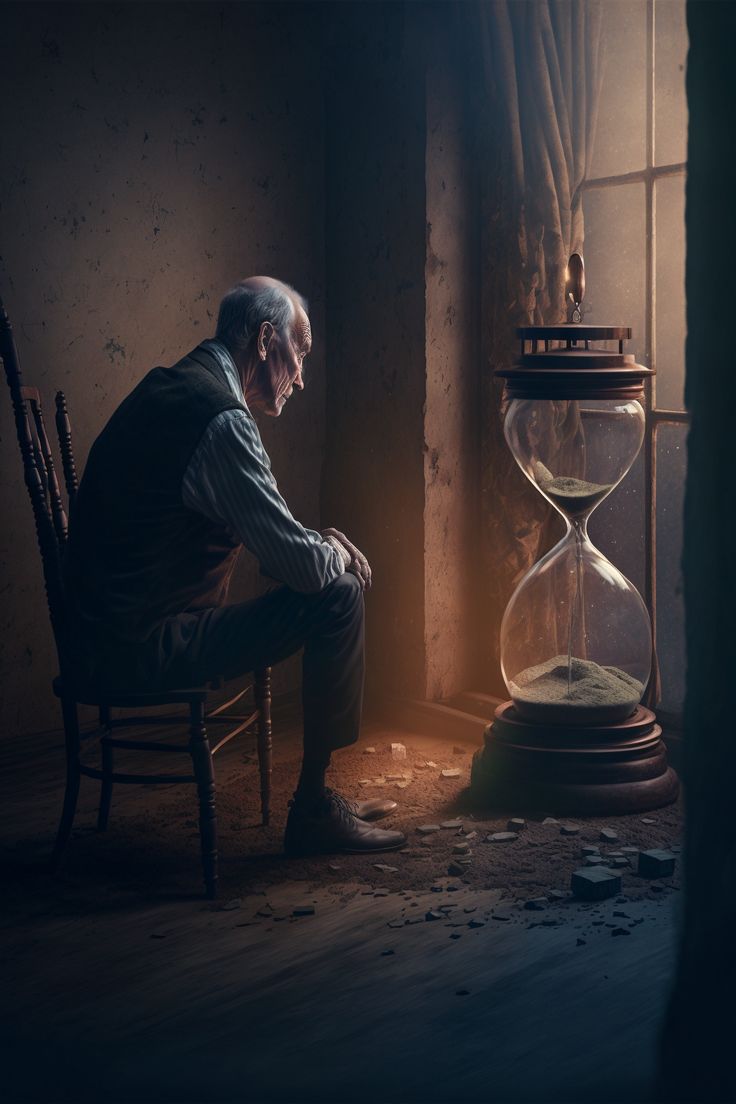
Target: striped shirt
x=229, y=480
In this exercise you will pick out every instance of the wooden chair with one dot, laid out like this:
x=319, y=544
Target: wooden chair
x=51, y=531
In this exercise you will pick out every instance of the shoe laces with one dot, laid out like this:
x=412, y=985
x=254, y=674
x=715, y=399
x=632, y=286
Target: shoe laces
x=345, y=808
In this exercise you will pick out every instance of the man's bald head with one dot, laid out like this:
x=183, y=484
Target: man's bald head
x=264, y=324
x=253, y=301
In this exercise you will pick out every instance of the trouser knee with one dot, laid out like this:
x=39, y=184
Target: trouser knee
x=346, y=595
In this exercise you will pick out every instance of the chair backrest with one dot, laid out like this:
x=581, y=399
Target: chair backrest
x=40, y=477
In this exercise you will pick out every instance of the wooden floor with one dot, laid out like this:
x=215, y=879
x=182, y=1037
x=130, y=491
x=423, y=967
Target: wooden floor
x=116, y=997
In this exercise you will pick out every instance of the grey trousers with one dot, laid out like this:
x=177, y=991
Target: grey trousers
x=192, y=648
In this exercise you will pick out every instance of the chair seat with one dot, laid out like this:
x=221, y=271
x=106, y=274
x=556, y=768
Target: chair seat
x=87, y=695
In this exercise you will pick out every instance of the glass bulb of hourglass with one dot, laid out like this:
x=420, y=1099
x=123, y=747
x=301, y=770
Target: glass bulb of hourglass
x=576, y=635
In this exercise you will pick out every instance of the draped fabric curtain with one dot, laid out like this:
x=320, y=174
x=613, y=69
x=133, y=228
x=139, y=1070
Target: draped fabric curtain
x=540, y=78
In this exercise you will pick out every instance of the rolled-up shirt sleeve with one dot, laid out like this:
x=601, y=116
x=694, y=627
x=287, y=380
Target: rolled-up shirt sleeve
x=229, y=480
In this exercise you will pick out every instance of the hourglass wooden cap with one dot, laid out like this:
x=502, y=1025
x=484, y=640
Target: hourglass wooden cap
x=572, y=369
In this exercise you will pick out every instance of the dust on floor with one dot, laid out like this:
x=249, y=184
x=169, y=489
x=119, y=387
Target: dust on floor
x=151, y=848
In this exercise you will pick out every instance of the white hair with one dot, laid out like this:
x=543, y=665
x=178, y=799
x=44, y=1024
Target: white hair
x=244, y=308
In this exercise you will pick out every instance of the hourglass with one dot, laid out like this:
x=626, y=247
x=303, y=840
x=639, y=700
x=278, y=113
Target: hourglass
x=576, y=637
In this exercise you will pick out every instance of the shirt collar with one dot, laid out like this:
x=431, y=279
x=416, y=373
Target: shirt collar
x=222, y=355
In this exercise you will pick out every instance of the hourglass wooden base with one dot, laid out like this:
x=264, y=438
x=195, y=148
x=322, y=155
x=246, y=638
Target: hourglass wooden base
x=596, y=769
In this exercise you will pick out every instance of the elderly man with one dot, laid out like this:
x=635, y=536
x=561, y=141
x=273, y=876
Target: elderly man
x=176, y=482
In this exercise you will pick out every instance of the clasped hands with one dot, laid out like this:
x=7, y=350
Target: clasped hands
x=358, y=564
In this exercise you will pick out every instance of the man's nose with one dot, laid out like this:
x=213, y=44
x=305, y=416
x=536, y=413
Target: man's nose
x=298, y=381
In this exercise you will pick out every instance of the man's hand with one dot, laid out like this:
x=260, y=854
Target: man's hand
x=358, y=565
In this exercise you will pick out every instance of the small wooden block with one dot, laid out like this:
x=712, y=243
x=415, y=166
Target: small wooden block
x=656, y=863
x=595, y=884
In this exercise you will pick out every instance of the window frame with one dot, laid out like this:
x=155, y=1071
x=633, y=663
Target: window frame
x=655, y=417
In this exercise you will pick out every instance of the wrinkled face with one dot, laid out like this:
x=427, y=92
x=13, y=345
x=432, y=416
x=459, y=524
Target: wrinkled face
x=281, y=364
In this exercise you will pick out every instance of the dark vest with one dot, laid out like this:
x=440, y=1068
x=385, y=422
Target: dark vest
x=136, y=554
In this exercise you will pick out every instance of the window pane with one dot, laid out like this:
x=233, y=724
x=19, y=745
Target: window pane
x=620, y=141
x=615, y=257
x=670, y=107
x=671, y=468
x=617, y=526
x=670, y=292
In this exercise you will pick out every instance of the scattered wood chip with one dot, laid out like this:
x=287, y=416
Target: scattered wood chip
x=536, y=904
x=457, y=868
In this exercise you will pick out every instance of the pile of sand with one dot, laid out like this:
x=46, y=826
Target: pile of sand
x=574, y=496
x=590, y=693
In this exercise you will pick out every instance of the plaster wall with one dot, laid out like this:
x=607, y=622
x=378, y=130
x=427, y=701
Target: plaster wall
x=373, y=485
x=452, y=570
x=402, y=404
x=149, y=160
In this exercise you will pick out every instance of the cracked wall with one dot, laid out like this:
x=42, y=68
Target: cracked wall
x=453, y=576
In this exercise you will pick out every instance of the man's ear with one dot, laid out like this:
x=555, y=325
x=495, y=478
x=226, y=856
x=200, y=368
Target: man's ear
x=266, y=335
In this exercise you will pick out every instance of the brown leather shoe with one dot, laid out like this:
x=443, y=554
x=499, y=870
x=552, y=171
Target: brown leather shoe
x=335, y=827
x=374, y=809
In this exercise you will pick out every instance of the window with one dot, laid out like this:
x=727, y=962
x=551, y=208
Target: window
x=634, y=205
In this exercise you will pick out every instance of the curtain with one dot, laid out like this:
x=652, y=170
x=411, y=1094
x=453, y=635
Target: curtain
x=540, y=78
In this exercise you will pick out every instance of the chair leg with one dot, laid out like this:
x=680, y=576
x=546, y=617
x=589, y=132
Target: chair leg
x=199, y=749
x=263, y=705
x=108, y=765
x=71, y=792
